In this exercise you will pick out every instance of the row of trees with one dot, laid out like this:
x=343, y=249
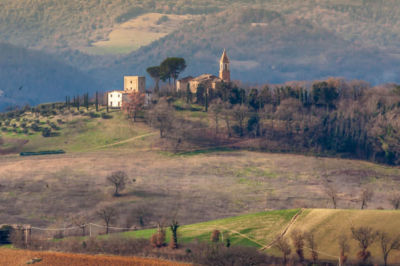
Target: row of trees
x=332, y=116
x=364, y=236
x=169, y=69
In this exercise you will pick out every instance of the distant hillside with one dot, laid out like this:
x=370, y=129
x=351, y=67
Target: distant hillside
x=33, y=77
x=266, y=46
x=268, y=41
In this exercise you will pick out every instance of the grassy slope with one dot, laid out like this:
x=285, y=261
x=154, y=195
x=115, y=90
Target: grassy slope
x=328, y=225
x=261, y=228
x=135, y=33
x=81, y=133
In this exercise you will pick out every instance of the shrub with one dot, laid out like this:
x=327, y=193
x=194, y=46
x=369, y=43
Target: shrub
x=215, y=236
x=94, y=115
x=236, y=255
x=158, y=239
x=46, y=132
x=106, y=116
x=35, y=127
x=5, y=233
x=54, y=126
x=4, y=129
x=60, y=121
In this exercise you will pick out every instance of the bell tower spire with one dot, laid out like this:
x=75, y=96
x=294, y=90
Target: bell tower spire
x=224, y=69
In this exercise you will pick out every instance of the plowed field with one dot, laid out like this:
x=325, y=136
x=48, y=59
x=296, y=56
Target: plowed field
x=22, y=257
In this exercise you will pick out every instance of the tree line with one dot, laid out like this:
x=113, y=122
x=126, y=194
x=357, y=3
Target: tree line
x=330, y=117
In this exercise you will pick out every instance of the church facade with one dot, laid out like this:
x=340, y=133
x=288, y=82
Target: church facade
x=209, y=81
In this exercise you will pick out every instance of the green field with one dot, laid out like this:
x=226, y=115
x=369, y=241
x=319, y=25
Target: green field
x=260, y=229
x=77, y=132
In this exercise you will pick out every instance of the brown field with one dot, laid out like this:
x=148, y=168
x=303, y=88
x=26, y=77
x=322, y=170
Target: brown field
x=50, y=190
x=21, y=257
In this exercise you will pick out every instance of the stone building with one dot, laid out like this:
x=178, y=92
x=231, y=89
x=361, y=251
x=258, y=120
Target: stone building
x=132, y=84
x=209, y=81
x=224, y=68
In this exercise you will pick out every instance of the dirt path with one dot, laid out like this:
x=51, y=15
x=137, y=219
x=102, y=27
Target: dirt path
x=121, y=142
x=242, y=235
x=292, y=222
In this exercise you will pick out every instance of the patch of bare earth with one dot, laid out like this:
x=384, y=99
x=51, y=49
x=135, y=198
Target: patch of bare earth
x=22, y=257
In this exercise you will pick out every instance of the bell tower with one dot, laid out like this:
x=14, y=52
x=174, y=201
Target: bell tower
x=224, y=69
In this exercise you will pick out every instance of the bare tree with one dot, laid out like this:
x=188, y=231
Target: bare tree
x=298, y=242
x=216, y=110
x=365, y=236
x=118, y=179
x=108, y=214
x=331, y=191
x=134, y=104
x=240, y=113
x=388, y=244
x=157, y=240
x=283, y=246
x=366, y=196
x=226, y=115
x=344, y=248
x=395, y=200
x=162, y=116
x=312, y=245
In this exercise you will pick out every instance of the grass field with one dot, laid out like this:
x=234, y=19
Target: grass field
x=255, y=230
x=21, y=257
x=77, y=132
x=260, y=229
x=195, y=187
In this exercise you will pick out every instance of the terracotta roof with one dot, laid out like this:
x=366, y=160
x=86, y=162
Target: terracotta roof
x=206, y=77
x=224, y=57
x=186, y=79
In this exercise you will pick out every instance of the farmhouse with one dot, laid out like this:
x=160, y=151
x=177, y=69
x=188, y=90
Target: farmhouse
x=116, y=98
x=209, y=81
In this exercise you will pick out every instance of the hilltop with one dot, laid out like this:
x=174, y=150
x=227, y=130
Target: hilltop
x=269, y=42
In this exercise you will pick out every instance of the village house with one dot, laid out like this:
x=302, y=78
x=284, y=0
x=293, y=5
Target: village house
x=209, y=81
x=132, y=84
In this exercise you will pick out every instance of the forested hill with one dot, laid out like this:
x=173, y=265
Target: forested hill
x=267, y=47
x=268, y=41
x=31, y=77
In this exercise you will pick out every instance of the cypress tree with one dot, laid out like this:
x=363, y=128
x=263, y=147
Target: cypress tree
x=97, y=101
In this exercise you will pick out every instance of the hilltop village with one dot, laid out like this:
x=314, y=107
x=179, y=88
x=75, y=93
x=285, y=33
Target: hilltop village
x=135, y=84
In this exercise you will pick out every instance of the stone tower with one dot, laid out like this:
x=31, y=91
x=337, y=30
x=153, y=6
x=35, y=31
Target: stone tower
x=224, y=70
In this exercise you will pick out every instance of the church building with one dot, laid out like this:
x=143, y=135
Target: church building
x=209, y=81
